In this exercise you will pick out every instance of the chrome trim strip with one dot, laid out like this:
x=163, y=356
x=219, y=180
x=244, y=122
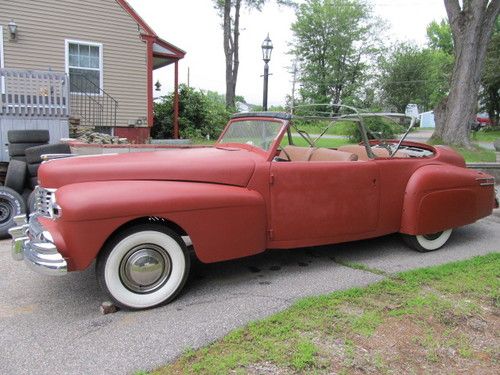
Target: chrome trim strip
x=486, y=181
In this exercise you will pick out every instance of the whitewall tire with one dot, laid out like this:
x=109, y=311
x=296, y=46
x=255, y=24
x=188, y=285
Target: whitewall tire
x=143, y=267
x=428, y=242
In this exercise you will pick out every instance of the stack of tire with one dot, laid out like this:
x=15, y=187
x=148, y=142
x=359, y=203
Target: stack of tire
x=17, y=195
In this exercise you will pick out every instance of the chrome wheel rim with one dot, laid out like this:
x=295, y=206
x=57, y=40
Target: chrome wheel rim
x=6, y=210
x=145, y=268
x=432, y=236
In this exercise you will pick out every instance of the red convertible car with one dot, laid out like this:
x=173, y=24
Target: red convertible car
x=265, y=184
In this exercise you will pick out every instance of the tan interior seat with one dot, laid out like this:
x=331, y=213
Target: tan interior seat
x=377, y=151
x=296, y=153
x=325, y=154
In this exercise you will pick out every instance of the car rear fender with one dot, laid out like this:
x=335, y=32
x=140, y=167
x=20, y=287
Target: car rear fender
x=223, y=222
x=444, y=196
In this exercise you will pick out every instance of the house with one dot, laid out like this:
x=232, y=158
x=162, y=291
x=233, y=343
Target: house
x=89, y=63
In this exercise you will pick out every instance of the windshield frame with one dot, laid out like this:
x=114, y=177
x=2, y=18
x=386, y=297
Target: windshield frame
x=272, y=148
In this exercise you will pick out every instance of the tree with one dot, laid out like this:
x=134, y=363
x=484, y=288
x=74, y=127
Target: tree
x=230, y=11
x=490, y=80
x=439, y=36
x=201, y=114
x=404, y=77
x=471, y=26
x=334, y=43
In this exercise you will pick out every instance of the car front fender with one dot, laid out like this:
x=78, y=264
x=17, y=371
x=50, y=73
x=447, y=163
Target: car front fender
x=223, y=222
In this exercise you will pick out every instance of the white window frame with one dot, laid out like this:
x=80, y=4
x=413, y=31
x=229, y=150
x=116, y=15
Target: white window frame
x=2, y=82
x=101, y=66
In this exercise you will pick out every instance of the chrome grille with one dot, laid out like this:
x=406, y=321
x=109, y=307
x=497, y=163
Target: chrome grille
x=42, y=200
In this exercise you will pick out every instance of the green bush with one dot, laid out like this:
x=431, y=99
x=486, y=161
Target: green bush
x=201, y=114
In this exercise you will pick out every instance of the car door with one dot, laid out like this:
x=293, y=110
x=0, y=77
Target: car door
x=316, y=202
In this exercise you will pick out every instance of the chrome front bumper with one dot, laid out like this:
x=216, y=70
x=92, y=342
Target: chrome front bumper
x=34, y=244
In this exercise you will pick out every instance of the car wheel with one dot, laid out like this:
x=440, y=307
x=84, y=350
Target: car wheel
x=143, y=267
x=11, y=204
x=428, y=242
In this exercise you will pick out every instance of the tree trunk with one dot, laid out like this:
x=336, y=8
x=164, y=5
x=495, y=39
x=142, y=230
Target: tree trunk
x=231, y=45
x=471, y=29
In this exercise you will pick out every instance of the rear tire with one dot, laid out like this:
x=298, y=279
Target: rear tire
x=143, y=267
x=428, y=242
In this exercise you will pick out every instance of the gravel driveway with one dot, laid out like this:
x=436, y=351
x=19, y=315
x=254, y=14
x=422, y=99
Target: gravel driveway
x=53, y=325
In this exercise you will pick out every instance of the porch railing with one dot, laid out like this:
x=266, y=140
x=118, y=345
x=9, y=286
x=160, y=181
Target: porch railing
x=30, y=93
x=93, y=106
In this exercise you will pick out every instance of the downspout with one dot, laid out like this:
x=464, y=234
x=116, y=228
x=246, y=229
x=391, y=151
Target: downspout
x=149, y=41
x=176, y=100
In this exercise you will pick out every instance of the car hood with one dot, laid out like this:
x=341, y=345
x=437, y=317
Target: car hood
x=222, y=165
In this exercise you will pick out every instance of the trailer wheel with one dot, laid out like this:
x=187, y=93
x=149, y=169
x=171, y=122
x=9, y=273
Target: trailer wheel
x=16, y=175
x=11, y=204
x=428, y=242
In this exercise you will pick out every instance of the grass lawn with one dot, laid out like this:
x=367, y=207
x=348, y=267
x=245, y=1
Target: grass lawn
x=478, y=155
x=340, y=128
x=486, y=136
x=444, y=319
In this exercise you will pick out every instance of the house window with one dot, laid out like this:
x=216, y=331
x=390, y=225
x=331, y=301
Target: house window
x=84, y=66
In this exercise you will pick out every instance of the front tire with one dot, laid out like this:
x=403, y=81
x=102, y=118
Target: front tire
x=428, y=242
x=143, y=267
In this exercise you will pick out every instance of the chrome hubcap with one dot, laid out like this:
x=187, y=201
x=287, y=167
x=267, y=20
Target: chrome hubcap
x=145, y=268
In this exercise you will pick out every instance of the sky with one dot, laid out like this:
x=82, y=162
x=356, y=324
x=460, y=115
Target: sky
x=195, y=27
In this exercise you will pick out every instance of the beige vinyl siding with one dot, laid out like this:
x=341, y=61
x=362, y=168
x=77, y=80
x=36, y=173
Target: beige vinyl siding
x=43, y=27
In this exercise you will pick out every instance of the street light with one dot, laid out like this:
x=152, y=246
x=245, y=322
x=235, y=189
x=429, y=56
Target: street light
x=267, y=49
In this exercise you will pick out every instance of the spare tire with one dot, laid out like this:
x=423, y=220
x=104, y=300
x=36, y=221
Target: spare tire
x=11, y=204
x=33, y=154
x=30, y=205
x=16, y=175
x=20, y=158
x=33, y=169
x=28, y=136
x=18, y=149
x=33, y=182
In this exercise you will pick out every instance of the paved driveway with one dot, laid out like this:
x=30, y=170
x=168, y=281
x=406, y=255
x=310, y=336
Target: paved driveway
x=53, y=325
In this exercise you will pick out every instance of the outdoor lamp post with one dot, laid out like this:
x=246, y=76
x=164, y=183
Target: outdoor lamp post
x=267, y=49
